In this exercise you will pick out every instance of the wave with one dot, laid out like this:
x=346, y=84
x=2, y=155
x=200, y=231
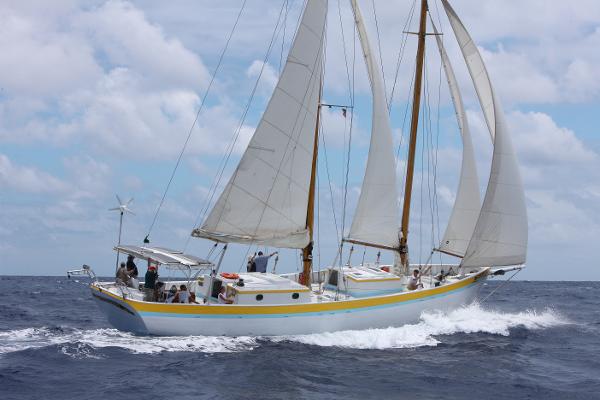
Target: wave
x=427, y=332
x=468, y=319
x=77, y=342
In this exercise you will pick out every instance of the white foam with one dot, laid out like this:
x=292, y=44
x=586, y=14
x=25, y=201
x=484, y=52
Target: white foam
x=18, y=340
x=427, y=332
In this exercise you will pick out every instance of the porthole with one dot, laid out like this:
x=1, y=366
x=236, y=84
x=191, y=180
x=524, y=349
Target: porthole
x=259, y=297
x=295, y=296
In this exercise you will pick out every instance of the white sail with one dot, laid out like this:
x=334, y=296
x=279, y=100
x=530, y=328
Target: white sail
x=468, y=203
x=376, y=217
x=265, y=201
x=500, y=236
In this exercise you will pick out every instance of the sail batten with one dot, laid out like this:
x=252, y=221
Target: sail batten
x=376, y=218
x=500, y=235
x=265, y=201
x=467, y=203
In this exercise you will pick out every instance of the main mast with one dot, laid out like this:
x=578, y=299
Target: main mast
x=310, y=213
x=413, y=136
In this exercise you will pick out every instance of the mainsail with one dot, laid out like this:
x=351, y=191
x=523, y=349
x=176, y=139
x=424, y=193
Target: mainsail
x=468, y=203
x=500, y=236
x=265, y=201
x=376, y=217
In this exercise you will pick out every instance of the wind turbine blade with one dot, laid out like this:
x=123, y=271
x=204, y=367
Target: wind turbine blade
x=130, y=200
x=114, y=209
x=129, y=211
x=119, y=199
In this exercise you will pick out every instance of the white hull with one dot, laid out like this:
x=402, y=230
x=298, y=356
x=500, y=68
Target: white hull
x=229, y=320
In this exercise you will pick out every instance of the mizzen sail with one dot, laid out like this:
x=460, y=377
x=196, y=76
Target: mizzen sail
x=265, y=201
x=500, y=235
x=376, y=218
x=468, y=203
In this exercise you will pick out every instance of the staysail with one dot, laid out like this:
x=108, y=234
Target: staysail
x=500, y=236
x=468, y=203
x=376, y=217
x=265, y=201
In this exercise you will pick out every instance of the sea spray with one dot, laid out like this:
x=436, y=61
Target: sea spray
x=433, y=324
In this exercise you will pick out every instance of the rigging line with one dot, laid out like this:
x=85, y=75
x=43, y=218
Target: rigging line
x=345, y=201
x=287, y=9
x=437, y=146
x=501, y=286
x=402, y=133
x=337, y=232
x=345, y=53
x=387, y=101
x=429, y=138
x=403, y=42
x=196, y=118
x=224, y=161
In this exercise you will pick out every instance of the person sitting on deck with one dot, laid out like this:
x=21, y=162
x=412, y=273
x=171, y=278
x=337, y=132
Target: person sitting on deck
x=159, y=294
x=171, y=295
x=440, y=278
x=260, y=261
x=122, y=275
x=223, y=298
x=414, y=282
x=183, y=296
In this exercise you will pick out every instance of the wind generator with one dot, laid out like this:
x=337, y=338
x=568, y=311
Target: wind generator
x=122, y=208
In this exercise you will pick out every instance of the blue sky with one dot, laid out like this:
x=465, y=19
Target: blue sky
x=97, y=97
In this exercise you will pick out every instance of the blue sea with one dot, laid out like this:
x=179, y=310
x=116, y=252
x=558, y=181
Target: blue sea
x=530, y=340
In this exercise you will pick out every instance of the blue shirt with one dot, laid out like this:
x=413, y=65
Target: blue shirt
x=261, y=263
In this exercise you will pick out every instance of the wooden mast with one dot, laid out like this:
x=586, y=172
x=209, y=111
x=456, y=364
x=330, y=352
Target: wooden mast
x=310, y=214
x=413, y=136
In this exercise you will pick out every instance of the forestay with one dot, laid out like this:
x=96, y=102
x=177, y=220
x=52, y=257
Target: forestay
x=265, y=201
x=468, y=203
x=500, y=236
x=376, y=217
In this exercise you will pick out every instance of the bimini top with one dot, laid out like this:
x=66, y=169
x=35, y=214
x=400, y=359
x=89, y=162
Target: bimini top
x=161, y=255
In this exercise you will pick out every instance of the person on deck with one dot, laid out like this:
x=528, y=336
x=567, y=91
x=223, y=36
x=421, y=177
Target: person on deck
x=183, y=296
x=150, y=282
x=171, y=294
x=132, y=267
x=122, y=275
x=223, y=298
x=261, y=261
x=414, y=282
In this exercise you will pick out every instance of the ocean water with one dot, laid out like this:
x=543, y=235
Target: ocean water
x=530, y=340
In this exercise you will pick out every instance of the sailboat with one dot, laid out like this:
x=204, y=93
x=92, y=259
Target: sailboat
x=270, y=201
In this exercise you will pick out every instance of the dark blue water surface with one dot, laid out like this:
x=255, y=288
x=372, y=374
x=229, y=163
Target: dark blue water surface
x=529, y=340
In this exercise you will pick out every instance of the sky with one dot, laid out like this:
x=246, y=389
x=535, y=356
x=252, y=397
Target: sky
x=97, y=99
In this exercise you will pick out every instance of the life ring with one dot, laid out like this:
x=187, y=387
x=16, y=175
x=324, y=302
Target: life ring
x=227, y=275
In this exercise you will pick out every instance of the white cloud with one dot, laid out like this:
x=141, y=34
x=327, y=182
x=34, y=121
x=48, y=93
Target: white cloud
x=28, y=179
x=539, y=140
x=268, y=76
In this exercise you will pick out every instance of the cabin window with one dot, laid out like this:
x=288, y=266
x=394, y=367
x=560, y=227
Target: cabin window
x=333, y=278
x=259, y=297
x=295, y=296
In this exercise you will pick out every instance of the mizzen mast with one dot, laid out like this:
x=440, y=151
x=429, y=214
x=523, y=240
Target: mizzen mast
x=413, y=136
